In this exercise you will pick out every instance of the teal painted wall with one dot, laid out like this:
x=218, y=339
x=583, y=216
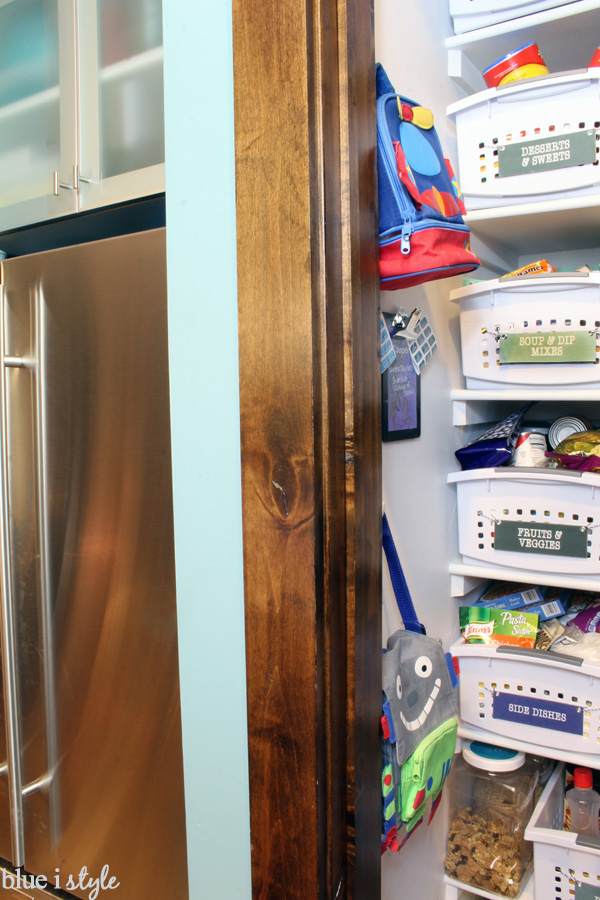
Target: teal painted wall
x=206, y=442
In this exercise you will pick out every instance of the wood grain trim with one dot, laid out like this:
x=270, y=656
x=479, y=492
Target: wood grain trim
x=363, y=445
x=306, y=258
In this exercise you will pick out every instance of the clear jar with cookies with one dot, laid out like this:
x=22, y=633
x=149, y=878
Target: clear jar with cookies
x=491, y=795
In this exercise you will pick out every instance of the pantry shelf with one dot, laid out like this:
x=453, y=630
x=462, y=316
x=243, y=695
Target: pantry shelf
x=456, y=890
x=466, y=577
x=567, y=36
x=472, y=733
x=538, y=229
x=468, y=406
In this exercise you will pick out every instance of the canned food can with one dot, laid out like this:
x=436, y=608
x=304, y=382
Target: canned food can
x=564, y=427
x=530, y=450
x=524, y=62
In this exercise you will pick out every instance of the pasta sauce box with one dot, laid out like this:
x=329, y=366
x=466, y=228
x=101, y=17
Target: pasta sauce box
x=482, y=625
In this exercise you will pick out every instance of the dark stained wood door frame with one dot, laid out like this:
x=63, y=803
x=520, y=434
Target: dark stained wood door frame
x=311, y=452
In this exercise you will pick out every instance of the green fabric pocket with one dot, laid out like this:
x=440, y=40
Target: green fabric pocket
x=424, y=772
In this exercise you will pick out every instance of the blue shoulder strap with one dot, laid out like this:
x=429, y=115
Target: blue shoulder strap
x=383, y=85
x=403, y=598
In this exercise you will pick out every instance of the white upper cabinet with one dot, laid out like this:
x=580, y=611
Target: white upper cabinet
x=122, y=148
x=81, y=106
x=37, y=110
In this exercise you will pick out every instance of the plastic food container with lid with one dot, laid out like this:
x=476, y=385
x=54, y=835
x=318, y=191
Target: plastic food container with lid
x=491, y=793
x=524, y=62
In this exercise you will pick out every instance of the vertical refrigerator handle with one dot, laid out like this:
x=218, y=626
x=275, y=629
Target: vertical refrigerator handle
x=48, y=780
x=7, y=623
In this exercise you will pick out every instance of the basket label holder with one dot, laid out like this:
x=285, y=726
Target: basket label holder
x=544, y=154
x=586, y=891
x=539, y=538
x=548, y=347
x=528, y=710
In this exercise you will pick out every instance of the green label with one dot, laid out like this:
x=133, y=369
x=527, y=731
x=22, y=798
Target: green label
x=586, y=891
x=533, y=537
x=548, y=347
x=479, y=625
x=574, y=149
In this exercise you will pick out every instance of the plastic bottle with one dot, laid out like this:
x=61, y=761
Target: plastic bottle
x=584, y=804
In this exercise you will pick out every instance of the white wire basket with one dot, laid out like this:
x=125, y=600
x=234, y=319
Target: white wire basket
x=535, y=697
x=566, y=865
x=537, y=331
x=541, y=520
x=470, y=14
x=530, y=140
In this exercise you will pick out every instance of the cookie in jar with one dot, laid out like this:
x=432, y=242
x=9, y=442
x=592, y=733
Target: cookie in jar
x=491, y=795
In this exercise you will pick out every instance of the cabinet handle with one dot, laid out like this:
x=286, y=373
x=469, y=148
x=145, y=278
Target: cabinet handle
x=77, y=178
x=59, y=184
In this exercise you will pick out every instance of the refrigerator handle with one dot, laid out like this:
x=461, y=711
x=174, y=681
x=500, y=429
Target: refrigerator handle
x=46, y=781
x=7, y=625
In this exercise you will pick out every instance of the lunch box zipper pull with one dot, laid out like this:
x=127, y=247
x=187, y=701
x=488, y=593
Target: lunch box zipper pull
x=405, y=242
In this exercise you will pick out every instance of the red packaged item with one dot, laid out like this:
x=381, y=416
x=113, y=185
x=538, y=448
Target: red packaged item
x=524, y=62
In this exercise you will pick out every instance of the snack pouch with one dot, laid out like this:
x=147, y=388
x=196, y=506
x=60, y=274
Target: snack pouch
x=588, y=619
x=579, y=451
x=495, y=447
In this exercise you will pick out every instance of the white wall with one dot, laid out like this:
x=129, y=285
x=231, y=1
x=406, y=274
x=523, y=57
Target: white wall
x=419, y=504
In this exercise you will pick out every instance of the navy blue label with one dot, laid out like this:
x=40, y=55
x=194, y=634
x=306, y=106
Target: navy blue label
x=542, y=713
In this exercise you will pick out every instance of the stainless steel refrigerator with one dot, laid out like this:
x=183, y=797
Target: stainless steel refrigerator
x=91, y=772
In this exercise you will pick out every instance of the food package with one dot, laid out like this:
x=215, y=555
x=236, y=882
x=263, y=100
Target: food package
x=524, y=62
x=542, y=265
x=582, y=644
x=530, y=450
x=481, y=625
x=580, y=451
x=546, y=602
x=550, y=631
x=510, y=595
x=496, y=446
x=588, y=619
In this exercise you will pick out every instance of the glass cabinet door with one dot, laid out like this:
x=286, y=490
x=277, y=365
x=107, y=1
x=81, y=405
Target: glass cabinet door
x=37, y=111
x=121, y=100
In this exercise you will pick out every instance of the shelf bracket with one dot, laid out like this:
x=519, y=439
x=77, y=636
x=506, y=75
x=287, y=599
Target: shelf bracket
x=460, y=585
x=464, y=73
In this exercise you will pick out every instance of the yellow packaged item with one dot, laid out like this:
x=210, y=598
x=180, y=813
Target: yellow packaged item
x=542, y=265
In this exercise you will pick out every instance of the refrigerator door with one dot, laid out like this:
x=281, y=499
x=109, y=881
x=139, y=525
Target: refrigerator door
x=92, y=568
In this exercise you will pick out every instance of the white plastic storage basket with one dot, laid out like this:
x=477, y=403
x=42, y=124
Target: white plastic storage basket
x=530, y=140
x=539, y=331
x=535, y=697
x=542, y=520
x=566, y=865
x=470, y=14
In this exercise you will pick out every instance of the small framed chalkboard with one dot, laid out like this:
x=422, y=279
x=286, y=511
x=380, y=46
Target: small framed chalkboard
x=400, y=394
